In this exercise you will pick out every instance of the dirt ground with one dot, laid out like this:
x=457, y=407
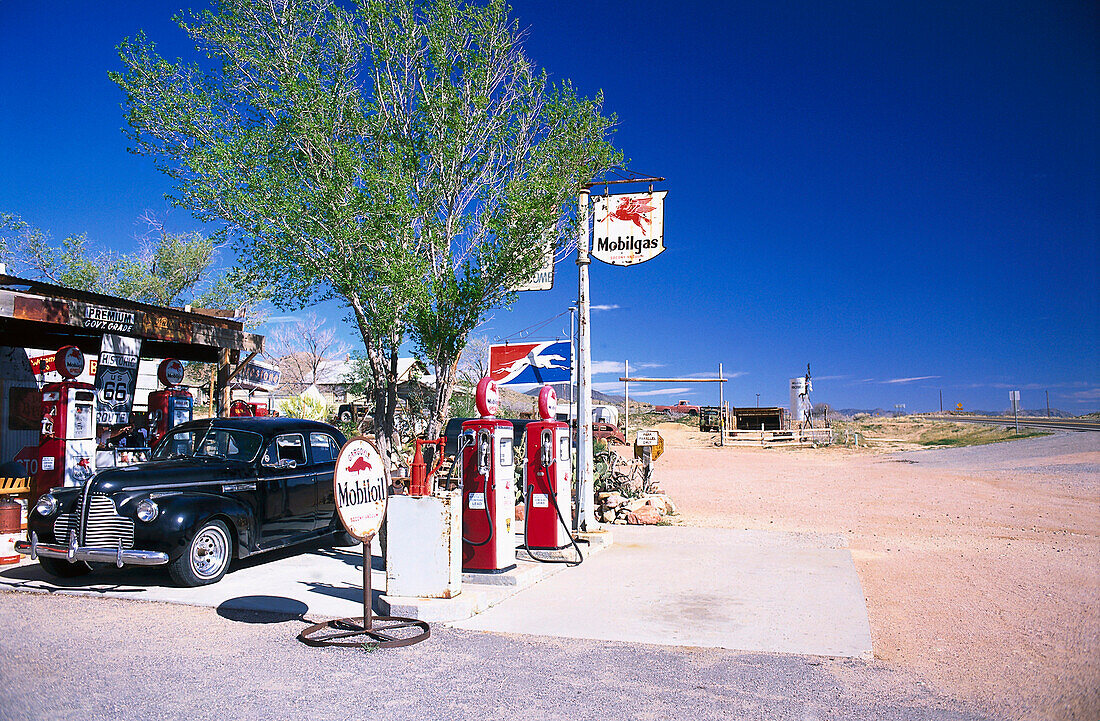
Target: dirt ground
x=980, y=566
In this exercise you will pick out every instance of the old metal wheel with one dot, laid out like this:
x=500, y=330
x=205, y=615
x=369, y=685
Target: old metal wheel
x=207, y=557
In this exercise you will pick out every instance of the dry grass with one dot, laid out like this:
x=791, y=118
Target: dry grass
x=918, y=432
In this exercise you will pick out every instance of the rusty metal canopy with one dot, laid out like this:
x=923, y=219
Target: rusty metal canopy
x=40, y=315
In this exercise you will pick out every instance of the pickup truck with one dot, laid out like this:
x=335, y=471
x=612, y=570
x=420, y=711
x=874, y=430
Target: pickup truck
x=679, y=409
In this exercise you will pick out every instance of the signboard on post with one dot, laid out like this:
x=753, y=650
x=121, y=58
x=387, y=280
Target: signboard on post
x=543, y=279
x=629, y=229
x=116, y=378
x=360, y=483
x=530, y=363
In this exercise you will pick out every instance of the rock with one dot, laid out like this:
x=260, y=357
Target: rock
x=634, y=504
x=612, y=499
x=661, y=502
x=607, y=517
x=644, y=516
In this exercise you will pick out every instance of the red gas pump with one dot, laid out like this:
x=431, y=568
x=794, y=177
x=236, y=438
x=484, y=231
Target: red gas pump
x=66, y=449
x=488, y=498
x=547, y=481
x=169, y=407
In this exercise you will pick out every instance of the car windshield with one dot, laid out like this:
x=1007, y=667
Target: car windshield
x=208, y=442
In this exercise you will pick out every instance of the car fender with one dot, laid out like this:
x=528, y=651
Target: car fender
x=183, y=514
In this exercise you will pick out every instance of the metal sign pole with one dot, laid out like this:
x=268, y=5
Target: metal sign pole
x=585, y=519
x=367, y=614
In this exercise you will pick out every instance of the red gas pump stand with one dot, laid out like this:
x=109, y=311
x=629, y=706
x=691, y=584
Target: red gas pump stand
x=548, y=485
x=488, y=496
x=171, y=406
x=67, y=445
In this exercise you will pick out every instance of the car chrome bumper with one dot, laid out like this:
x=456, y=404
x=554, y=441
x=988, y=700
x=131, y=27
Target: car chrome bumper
x=74, y=552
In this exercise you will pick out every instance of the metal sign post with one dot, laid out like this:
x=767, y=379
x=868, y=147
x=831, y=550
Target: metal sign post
x=1014, y=396
x=361, y=490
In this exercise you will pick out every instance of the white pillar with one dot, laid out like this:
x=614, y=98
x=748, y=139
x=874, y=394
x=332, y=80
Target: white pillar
x=626, y=423
x=586, y=519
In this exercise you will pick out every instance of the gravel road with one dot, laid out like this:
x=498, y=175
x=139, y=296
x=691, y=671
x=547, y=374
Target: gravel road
x=97, y=658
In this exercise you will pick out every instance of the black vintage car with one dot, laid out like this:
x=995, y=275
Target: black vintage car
x=213, y=490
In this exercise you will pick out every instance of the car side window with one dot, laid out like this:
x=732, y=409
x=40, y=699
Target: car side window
x=322, y=447
x=286, y=451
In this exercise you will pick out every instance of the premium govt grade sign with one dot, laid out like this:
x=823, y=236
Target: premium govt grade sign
x=362, y=488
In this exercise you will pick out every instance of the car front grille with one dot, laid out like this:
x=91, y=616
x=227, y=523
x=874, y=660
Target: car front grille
x=104, y=528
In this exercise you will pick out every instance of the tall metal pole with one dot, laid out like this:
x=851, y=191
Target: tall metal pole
x=573, y=369
x=941, y=400
x=585, y=520
x=721, y=409
x=1048, y=404
x=626, y=384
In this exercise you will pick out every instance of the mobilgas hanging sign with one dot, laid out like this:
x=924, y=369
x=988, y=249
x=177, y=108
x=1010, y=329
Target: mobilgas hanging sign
x=629, y=229
x=361, y=487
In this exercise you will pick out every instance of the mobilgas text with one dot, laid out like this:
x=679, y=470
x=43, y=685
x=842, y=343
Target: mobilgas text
x=637, y=245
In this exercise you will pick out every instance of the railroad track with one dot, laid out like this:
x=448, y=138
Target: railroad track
x=1061, y=424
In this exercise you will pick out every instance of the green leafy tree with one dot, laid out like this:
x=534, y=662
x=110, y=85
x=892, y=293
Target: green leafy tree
x=402, y=157
x=168, y=269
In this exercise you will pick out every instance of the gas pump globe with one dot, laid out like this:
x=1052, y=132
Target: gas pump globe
x=488, y=496
x=66, y=448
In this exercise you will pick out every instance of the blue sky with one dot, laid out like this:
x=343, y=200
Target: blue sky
x=903, y=195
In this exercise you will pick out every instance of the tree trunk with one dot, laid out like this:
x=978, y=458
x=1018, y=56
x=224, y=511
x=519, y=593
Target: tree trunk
x=446, y=372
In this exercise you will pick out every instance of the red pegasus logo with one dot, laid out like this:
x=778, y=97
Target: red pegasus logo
x=634, y=210
x=359, y=464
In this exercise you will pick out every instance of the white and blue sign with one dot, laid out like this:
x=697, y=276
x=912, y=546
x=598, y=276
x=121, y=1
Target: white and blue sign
x=530, y=363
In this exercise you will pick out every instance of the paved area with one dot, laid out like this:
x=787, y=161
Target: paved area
x=318, y=579
x=74, y=657
x=722, y=588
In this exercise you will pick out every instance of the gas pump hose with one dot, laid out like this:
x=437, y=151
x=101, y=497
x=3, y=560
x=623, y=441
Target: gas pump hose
x=527, y=506
x=488, y=517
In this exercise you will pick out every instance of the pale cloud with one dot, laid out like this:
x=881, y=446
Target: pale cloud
x=830, y=378
x=665, y=391
x=619, y=367
x=725, y=374
x=1092, y=394
x=281, y=319
x=608, y=387
x=603, y=307
x=910, y=380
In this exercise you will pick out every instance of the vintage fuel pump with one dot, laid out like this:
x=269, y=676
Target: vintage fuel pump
x=488, y=497
x=547, y=480
x=67, y=445
x=169, y=407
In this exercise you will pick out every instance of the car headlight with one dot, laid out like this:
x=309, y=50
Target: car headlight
x=46, y=506
x=147, y=510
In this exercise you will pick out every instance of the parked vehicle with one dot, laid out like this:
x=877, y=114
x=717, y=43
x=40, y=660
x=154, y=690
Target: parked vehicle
x=608, y=432
x=356, y=410
x=214, y=490
x=710, y=419
x=679, y=409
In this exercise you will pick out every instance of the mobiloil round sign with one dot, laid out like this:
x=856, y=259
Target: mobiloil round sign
x=361, y=487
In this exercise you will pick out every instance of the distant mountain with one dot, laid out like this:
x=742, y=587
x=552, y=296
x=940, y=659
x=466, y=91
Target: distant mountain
x=562, y=389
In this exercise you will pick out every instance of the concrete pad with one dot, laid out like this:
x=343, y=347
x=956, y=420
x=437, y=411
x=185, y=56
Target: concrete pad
x=316, y=581
x=311, y=580
x=742, y=590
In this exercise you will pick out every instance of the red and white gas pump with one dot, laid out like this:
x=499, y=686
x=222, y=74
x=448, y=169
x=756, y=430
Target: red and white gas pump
x=548, y=483
x=488, y=496
x=548, y=487
x=67, y=445
x=171, y=406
